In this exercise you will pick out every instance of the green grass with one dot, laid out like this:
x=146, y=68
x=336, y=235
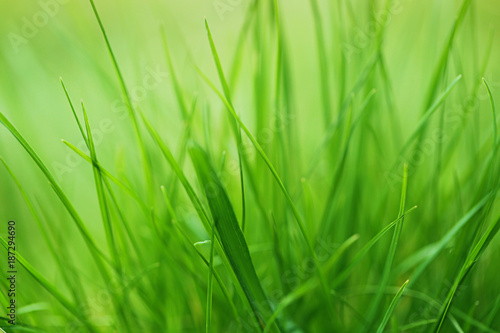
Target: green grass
x=279, y=166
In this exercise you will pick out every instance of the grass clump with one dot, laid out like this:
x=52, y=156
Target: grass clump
x=251, y=188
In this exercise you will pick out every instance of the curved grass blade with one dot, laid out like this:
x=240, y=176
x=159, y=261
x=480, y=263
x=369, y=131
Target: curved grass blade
x=57, y=189
x=130, y=107
x=101, y=196
x=184, y=235
x=471, y=260
x=124, y=187
x=210, y=284
x=230, y=235
x=391, y=308
x=495, y=137
x=446, y=238
x=261, y=152
x=425, y=118
x=53, y=290
x=196, y=203
x=345, y=273
x=80, y=127
x=445, y=53
x=311, y=283
x=74, y=285
x=392, y=250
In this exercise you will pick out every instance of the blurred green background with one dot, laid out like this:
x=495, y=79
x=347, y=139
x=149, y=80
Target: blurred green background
x=41, y=41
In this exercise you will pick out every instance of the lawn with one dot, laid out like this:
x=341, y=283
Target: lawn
x=249, y=166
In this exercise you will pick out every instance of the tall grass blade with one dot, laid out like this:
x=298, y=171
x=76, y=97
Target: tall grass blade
x=391, y=308
x=228, y=230
x=57, y=189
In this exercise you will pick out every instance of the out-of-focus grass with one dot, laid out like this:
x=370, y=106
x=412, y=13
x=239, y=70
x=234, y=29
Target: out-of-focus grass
x=318, y=124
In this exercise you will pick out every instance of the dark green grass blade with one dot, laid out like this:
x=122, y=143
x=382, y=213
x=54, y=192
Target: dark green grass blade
x=194, y=200
x=183, y=234
x=236, y=126
x=230, y=235
x=261, y=152
x=298, y=218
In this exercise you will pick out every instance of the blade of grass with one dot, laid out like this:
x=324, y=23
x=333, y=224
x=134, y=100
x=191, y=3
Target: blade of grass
x=495, y=142
x=445, y=53
x=184, y=235
x=53, y=290
x=228, y=230
x=345, y=273
x=101, y=196
x=323, y=64
x=124, y=187
x=80, y=127
x=471, y=260
x=306, y=286
x=298, y=292
x=210, y=287
x=447, y=237
x=392, y=252
x=196, y=203
x=74, y=285
x=269, y=165
x=130, y=108
x=425, y=119
x=177, y=87
x=57, y=189
x=391, y=308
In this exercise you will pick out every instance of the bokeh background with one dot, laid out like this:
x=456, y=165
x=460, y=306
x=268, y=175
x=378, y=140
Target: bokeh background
x=41, y=41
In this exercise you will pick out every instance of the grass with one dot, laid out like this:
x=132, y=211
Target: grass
x=268, y=183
